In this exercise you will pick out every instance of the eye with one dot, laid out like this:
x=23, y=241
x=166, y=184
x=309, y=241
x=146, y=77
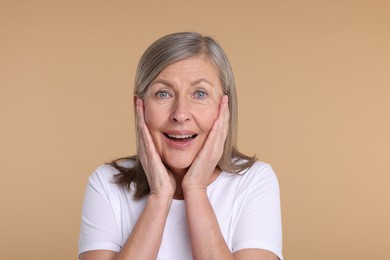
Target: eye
x=200, y=94
x=163, y=94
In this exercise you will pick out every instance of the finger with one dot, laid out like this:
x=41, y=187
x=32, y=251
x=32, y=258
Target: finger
x=224, y=115
x=221, y=125
x=215, y=141
x=140, y=125
x=160, y=181
x=146, y=141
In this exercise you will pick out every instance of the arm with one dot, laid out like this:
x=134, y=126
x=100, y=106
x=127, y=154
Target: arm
x=145, y=238
x=206, y=238
x=207, y=241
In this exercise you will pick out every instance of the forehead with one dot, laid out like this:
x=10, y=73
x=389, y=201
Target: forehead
x=192, y=67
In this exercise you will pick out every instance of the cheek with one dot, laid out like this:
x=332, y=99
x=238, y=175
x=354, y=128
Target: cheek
x=207, y=118
x=152, y=117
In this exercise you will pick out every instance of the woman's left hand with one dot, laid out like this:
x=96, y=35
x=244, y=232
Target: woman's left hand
x=205, y=163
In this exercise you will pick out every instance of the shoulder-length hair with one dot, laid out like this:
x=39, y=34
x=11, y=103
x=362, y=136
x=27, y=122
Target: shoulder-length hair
x=162, y=53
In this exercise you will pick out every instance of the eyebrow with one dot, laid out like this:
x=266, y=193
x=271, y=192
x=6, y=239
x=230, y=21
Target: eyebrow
x=162, y=81
x=201, y=80
x=167, y=83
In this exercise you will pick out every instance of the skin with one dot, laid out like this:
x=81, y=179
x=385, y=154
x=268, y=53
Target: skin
x=175, y=103
x=184, y=99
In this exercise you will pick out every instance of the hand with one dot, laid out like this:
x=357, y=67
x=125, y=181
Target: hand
x=202, y=168
x=160, y=179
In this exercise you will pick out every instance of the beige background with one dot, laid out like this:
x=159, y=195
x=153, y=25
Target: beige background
x=314, y=93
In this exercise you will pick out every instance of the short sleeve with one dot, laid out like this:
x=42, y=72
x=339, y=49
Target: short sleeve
x=99, y=230
x=259, y=221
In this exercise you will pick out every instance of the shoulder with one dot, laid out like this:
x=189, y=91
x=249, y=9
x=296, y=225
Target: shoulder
x=259, y=170
x=103, y=177
x=259, y=167
x=103, y=173
x=107, y=171
x=259, y=177
x=264, y=173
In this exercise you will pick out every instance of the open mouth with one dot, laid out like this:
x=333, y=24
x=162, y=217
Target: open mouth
x=180, y=138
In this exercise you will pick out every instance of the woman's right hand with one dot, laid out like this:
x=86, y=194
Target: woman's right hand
x=160, y=179
x=145, y=238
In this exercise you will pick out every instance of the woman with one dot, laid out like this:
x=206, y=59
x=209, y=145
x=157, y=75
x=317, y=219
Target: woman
x=188, y=193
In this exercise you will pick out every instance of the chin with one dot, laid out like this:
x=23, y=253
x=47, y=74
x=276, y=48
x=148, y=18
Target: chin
x=178, y=165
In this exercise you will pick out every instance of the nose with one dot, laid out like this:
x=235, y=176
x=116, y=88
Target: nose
x=180, y=111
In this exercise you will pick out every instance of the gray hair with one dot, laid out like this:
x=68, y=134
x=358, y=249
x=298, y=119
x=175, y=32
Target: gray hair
x=162, y=53
x=179, y=46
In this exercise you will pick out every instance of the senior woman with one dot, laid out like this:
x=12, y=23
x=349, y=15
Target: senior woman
x=188, y=193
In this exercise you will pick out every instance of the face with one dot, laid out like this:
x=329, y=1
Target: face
x=181, y=106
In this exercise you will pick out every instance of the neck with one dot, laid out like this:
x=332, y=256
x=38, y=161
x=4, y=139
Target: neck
x=179, y=175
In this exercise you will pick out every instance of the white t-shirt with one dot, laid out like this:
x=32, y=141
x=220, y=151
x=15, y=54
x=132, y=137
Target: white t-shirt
x=247, y=207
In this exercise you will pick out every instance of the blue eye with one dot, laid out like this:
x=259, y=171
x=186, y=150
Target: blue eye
x=162, y=94
x=200, y=94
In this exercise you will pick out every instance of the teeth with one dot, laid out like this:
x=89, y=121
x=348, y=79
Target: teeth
x=180, y=136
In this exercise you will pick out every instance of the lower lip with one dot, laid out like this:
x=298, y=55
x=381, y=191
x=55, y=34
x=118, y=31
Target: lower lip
x=179, y=144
